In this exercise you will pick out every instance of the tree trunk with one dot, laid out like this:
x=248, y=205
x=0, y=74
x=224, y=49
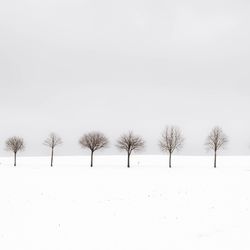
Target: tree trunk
x=91, y=162
x=170, y=160
x=14, y=159
x=52, y=157
x=128, y=160
x=215, y=159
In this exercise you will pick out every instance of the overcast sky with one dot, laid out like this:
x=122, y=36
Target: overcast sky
x=73, y=66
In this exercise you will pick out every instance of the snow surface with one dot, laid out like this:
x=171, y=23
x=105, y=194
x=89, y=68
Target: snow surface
x=109, y=207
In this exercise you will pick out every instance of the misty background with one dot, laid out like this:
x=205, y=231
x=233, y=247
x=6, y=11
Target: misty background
x=72, y=67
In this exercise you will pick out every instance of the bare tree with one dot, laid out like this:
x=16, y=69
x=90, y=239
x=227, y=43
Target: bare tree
x=52, y=141
x=15, y=144
x=130, y=142
x=215, y=141
x=170, y=141
x=93, y=141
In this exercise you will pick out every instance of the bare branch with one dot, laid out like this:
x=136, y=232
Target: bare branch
x=93, y=141
x=171, y=139
x=15, y=144
x=130, y=142
x=216, y=139
x=52, y=141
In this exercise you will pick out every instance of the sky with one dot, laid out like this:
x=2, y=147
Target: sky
x=72, y=67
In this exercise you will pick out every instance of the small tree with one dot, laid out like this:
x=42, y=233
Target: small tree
x=52, y=141
x=15, y=144
x=170, y=141
x=130, y=142
x=93, y=141
x=215, y=141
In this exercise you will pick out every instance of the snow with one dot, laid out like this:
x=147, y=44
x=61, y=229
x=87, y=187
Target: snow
x=109, y=207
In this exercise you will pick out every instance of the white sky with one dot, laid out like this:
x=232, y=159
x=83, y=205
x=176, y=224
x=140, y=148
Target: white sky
x=77, y=66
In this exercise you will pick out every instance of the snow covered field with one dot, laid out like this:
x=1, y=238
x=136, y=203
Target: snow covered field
x=109, y=207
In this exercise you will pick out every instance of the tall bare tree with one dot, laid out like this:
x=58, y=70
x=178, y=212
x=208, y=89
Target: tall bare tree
x=52, y=141
x=170, y=141
x=93, y=141
x=130, y=142
x=215, y=141
x=14, y=144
